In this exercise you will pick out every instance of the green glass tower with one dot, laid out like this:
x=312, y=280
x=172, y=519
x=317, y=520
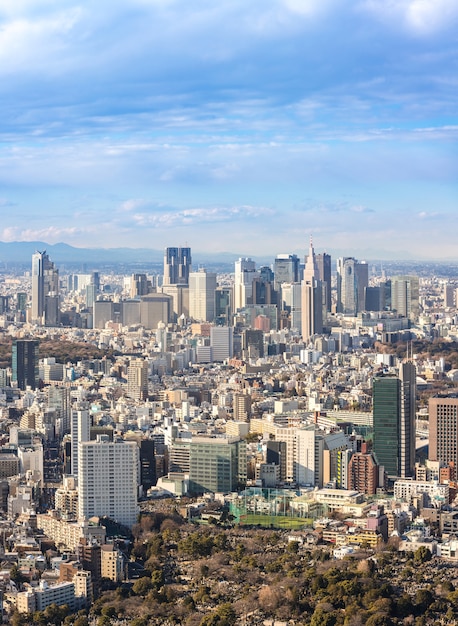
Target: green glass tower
x=394, y=400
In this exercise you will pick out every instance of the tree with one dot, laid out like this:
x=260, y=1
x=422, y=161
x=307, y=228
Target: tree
x=422, y=555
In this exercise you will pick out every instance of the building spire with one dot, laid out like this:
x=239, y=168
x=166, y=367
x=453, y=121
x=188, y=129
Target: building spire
x=311, y=268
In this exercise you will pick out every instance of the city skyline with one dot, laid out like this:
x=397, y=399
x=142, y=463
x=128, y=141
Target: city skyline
x=231, y=126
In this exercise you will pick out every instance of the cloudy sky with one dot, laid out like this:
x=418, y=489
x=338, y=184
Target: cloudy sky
x=231, y=125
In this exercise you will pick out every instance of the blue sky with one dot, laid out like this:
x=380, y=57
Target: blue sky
x=231, y=125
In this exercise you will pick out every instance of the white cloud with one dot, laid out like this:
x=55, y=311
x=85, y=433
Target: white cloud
x=25, y=41
x=50, y=234
x=422, y=17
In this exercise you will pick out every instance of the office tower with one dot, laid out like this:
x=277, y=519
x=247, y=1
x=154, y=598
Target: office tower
x=155, y=308
x=352, y=278
x=25, y=363
x=217, y=464
x=286, y=270
x=394, y=403
x=312, y=298
x=222, y=342
x=405, y=296
x=291, y=299
x=80, y=431
x=137, y=379
x=21, y=301
x=443, y=430
x=202, y=288
x=448, y=294
x=177, y=266
x=45, y=290
x=263, y=291
x=108, y=474
x=253, y=343
x=139, y=285
x=372, y=299
x=245, y=272
x=223, y=305
x=323, y=263
x=147, y=464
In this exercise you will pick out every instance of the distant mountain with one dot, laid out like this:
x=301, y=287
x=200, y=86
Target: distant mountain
x=20, y=253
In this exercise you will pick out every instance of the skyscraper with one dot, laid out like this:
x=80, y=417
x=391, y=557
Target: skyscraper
x=352, y=278
x=443, y=430
x=25, y=363
x=323, y=263
x=108, y=475
x=312, y=298
x=80, y=431
x=394, y=399
x=202, y=288
x=286, y=269
x=137, y=379
x=245, y=272
x=45, y=291
x=177, y=266
x=404, y=296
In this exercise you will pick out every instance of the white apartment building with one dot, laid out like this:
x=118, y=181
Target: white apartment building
x=108, y=478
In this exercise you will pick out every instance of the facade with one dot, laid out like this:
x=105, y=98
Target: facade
x=405, y=296
x=137, y=379
x=108, y=478
x=323, y=263
x=352, y=279
x=443, y=430
x=286, y=270
x=222, y=342
x=245, y=273
x=362, y=473
x=312, y=299
x=80, y=431
x=68, y=534
x=177, y=266
x=25, y=363
x=217, y=464
x=45, y=291
x=394, y=399
x=202, y=288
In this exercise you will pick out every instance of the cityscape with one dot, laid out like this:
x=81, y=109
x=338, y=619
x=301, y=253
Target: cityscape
x=312, y=397
x=228, y=313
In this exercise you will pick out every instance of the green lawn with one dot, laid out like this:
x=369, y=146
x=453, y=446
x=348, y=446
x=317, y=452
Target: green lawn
x=256, y=519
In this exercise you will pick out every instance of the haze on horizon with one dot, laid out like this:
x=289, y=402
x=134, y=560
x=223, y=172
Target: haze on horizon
x=231, y=126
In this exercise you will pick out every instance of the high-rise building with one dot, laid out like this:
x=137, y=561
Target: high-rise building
x=352, y=278
x=394, y=399
x=245, y=272
x=443, y=430
x=323, y=263
x=222, y=342
x=137, y=379
x=405, y=296
x=312, y=298
x=217, y=464
x=202, y=288
x=177, y=266
x=286, y=270
x=45, y=291
x=139, y=285
x=291, y=299
x=80, y=431
x=25, y=363
x=108, y=476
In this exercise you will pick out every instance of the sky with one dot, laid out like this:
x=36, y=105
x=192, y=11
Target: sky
x=231, y=126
